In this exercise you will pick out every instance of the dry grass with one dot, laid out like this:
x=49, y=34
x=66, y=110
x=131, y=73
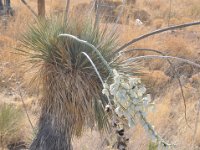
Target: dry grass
x=179, y=46
x=10, y=124
x=169, y=116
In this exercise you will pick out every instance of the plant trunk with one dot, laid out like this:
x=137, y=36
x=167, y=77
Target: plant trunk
x=61, y=111
x=41, y=8
x=52, y=136
x=56, y=122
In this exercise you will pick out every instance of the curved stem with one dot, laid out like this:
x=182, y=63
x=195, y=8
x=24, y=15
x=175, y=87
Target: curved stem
x=29, y=7
x=95, y=68
x=152, y=131
x=90, y=45
x=136, y=49
x=162, y=57
x=155, y=32
x=97, y=72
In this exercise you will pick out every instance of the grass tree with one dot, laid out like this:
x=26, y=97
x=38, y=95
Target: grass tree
x=71, y=90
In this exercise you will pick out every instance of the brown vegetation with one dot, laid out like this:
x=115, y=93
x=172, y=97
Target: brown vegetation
x=168, y=117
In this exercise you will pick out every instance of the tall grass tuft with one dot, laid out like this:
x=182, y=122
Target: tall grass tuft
x=10, y=124
x=72, y=97
x=152, y=146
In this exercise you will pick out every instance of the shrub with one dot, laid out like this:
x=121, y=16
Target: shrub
x=152, y=146
x=10, y=124
x=71, y=93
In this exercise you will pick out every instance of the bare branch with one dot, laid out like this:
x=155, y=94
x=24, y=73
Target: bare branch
x=137, y=49
x=196, y=124
x=67, y=9
x=29, y=7
x=156, y=32
x=170, y=11
x=120, y=13
x=96, y=24
x=162, y=57
x=24, y=106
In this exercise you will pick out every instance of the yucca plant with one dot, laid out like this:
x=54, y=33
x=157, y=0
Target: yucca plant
x=71, y=89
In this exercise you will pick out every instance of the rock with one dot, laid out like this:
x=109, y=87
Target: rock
x=142, y=15
x=138, y=22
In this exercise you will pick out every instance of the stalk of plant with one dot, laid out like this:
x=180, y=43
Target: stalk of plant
x=71, y=89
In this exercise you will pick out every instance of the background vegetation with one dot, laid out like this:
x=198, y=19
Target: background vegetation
x=168, y=117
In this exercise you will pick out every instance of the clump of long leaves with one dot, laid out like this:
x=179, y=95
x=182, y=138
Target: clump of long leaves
x=70, y=85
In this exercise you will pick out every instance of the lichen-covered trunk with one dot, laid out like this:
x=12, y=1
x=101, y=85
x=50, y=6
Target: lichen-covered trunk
x=53, y=136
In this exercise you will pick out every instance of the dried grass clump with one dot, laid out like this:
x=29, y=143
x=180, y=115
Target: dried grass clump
x=195, y=11
x=10, y=124
x=178, y=46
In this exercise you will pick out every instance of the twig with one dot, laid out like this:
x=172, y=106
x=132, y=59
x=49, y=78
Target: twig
x=96, y=23
x=142, y=49
x=170, y=10
x=196, y=125
x=93, y=7
x=150, y=127
x=156, y=32
x=162, y=57
x=24, y=106
x=29, y=7
x=184, y=102
x=120, y=13
x=67, y=10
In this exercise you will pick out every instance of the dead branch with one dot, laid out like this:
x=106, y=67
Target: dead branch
x=161, y=57
x=67, y=9
x=29, y=7
x=156, y=32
